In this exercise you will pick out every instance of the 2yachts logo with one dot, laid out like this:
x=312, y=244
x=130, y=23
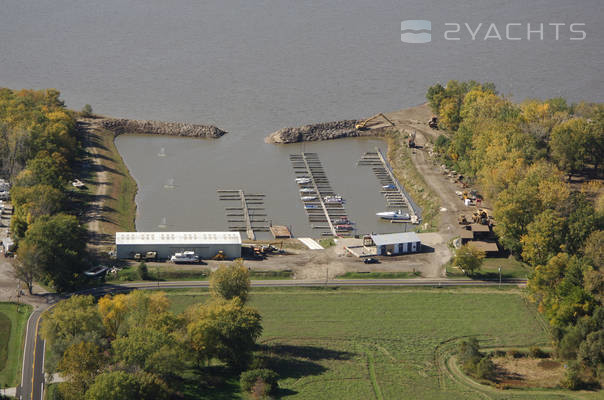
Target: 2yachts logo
x=416, y=31
x=420, y=31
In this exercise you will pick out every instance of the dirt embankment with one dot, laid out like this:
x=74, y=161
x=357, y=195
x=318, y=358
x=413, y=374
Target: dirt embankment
x=321, y=131
x=120, y=126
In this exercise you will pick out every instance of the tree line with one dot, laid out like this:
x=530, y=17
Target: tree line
x=131, y=346
x=523, y=156
x=38, y=147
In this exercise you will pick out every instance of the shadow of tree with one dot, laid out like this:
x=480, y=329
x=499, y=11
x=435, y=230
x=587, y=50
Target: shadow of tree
x=291, y=361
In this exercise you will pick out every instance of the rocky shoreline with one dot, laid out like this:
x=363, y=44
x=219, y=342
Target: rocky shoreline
x=321, y=131
x=120, y=126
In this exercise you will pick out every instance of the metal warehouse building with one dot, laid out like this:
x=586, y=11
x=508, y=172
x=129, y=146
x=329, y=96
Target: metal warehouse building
x=204, y=244
x=397, y=243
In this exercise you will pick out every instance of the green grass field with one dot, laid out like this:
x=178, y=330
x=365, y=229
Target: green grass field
x=378, y=275
x=12, y=335
x=510, y=268
x=383, y=343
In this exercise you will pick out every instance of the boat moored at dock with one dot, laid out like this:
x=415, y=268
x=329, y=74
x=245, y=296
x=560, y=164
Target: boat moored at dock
x=394, y=215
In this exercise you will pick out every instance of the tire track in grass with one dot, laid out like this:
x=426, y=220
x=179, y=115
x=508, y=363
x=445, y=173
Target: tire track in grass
x=372, y=376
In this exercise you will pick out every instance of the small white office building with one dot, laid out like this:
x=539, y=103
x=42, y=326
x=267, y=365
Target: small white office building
x=396, y=243
x=205, y=244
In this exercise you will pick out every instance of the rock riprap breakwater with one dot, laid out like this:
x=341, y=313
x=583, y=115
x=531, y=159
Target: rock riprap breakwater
x=322, y=131
x=120, y=126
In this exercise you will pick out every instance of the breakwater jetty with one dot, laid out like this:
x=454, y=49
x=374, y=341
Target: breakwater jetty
x=120, y=126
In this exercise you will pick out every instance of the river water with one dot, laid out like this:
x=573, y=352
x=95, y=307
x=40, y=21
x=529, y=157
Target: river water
x=254, y=67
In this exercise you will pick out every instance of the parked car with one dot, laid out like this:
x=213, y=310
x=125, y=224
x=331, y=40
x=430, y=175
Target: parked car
x=371, y=260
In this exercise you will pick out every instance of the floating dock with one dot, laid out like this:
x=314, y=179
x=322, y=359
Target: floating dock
x=280, y=232
x=323, y=213
x=394, y=193
x=251, y=217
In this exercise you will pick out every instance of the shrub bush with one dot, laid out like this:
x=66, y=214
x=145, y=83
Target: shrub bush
x=572, y=380
x=143, y=271
x=254, y=379
x=536, y=352
x=514, y=354
x=86, y=111
x=485, y=369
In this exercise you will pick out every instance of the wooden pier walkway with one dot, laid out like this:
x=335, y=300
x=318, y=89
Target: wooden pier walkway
x=322, y=213
x=251, y=224
x=395, y=195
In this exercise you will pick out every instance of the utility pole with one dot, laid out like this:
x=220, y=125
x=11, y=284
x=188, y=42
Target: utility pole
x=500, y=277
x=157, y=276
x=326, y=275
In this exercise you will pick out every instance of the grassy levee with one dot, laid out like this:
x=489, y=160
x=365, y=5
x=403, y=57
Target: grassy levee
x=363, y=343
x=119, y=207
x=12, y=335
x=413, y=182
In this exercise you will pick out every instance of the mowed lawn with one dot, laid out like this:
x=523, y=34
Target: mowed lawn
x=381, y=343
x=12, y=334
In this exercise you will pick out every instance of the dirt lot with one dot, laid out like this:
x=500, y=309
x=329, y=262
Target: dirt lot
x=529, y=372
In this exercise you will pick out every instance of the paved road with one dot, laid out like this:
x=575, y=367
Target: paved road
x=32, y=381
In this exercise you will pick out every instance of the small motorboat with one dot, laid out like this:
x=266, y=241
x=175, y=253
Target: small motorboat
x=342, y=221
x=393, y=215
x=308, y=198
x=302, y=180
x=311, y=206
x=389, y=187
x=307, y=190
x=344, y=227
x=333, y=200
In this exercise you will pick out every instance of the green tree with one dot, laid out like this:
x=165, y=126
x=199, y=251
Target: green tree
x=226, y=330
x=86, y=111
x=45, y=169
x=468, y=258
x=545, y=235
x=148, y=349
x=115, y=385
x=61, y=244
x=71, y=318
x=27, y=265
x=228, y=282
x=591, y=350
x=594, y=249
x=266, y=377
x=143, y=271
x=569, y=144
x=80, y=363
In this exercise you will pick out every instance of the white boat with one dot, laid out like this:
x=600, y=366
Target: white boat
x=185, y=257
x=395, y=215
x=307, y=190
x=77, y=183
x=302, y=180
x=96, y=271
x=308, y=198
x=333, y=200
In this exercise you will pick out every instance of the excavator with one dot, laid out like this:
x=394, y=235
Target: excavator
x=363, y=124
x=411, y=141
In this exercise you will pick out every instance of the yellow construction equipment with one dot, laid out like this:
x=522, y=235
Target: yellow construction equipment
x=363, y=124
x=480, y=216
x=219, y=256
